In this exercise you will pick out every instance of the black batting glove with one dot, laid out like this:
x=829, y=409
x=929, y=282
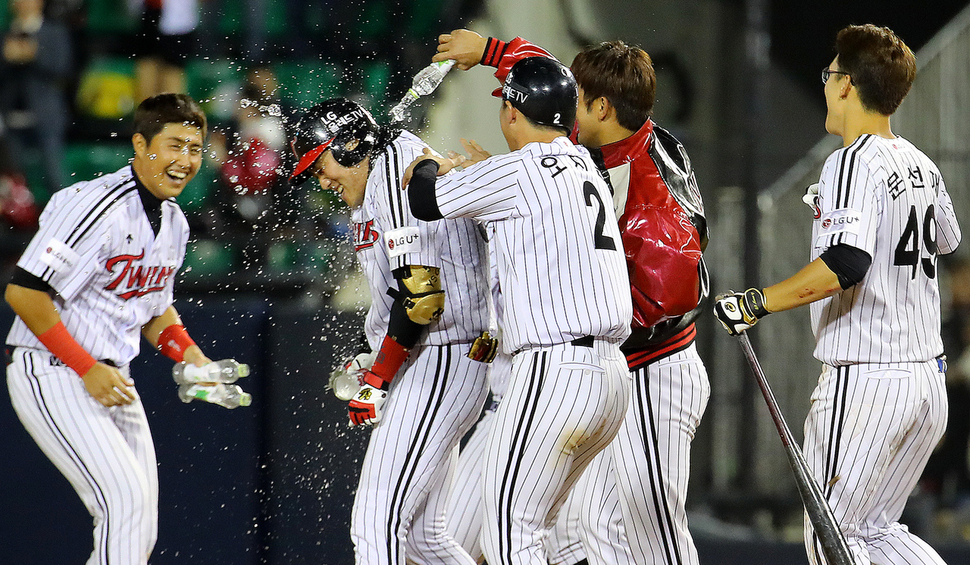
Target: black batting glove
x=739, y=311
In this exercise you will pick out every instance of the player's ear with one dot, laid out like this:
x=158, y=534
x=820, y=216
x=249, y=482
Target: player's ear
x=140, y=144
x=603, y=108
x=846, y=87
x=510, y=111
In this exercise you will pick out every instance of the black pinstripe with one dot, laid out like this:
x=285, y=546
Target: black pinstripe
x=418, y=444
x=41, y=402
x=392, y=177
x=836, y=428
x=92, y=216
x=522, y=429
x=654, y=468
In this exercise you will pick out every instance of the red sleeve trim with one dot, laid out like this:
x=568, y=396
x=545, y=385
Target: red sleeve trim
x=494, y=49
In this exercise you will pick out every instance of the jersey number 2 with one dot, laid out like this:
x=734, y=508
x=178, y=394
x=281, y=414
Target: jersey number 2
x=600, y=239
x=908, y=248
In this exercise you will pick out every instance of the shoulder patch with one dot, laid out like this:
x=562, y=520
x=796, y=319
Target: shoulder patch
x=843, y=220
x=58, y=256
x=402, y=240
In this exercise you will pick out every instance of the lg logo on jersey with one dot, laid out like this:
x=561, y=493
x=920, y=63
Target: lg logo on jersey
x=137, y=280
x=844, y=220
x=402, y=240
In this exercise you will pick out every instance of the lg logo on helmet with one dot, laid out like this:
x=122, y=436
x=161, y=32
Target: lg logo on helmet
x=337, y=122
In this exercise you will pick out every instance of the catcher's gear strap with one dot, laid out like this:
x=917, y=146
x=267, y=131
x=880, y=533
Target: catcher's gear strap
x=418, y=297
x=419, y=291
x=848, y=263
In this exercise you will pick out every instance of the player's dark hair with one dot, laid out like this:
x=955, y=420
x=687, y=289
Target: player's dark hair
x=621, y=73
x=879, y=64
x=169, y=108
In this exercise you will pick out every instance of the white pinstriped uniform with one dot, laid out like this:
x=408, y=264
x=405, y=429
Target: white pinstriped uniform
x=562, y=277
x=465, y=503
x=633, y=495
x=880, y=405
x=438, y=393
x=112, y=274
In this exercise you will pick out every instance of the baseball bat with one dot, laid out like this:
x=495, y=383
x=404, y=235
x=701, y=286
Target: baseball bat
x=826, y=528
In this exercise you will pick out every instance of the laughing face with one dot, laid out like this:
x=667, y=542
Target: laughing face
x=348, y=182
x=170, y=161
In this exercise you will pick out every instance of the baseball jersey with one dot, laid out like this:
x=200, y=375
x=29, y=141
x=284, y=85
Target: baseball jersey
x=387, y=236
x=111, y=273
x=885, y=197
x=557, y=247
x=661, y=218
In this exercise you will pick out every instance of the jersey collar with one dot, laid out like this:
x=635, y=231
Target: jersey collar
x=151, y=204
x=629, y=149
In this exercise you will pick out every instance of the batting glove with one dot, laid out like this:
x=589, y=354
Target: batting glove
x=367, y=405
x=811, y=198
x=739, y=311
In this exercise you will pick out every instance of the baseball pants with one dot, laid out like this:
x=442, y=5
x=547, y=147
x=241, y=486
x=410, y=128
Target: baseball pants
x=107, y=454
x=634, y=493
x=564, y=404
x=868, y=435
x=402, y=498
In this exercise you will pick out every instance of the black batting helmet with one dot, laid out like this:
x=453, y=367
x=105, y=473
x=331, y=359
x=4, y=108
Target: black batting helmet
x=544, y=90
x=340, y=125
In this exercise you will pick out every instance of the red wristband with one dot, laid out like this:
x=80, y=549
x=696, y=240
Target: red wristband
x=59, y=342
x=173, y=341
x=389, y=359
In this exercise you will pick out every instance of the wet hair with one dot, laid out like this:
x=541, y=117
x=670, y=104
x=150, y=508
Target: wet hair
x=621, y=73
x=169, y=108
x=878, y=63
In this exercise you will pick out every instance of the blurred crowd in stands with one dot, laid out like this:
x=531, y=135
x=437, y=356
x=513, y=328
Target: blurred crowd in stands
x=73, y=71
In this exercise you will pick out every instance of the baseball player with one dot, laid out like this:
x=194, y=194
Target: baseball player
x=430, y=307
x=566, y=306
x=634, y=507
x=98, y=275
x=882, y=216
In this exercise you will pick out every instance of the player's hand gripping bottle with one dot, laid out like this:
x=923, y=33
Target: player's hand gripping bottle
x=424, y=83
x=226, y=395
x=224, y=371
x=346, y=380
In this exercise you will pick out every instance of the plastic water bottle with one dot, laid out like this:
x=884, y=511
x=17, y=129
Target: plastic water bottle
x=345, y=385
x=345, y=380
x=424, y=83
x=224, y=371
x=226, y=395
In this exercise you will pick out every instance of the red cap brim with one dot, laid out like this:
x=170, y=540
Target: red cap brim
x=300, y=171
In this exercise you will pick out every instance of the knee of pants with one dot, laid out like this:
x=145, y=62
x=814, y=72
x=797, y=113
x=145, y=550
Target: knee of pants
x=134, y=504
x=425, y=541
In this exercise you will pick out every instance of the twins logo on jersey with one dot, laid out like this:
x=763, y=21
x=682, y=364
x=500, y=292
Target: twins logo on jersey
x=365, y=235
x=135, y=280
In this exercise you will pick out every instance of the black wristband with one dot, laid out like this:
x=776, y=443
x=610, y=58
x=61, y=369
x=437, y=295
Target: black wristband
x=754, y=303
